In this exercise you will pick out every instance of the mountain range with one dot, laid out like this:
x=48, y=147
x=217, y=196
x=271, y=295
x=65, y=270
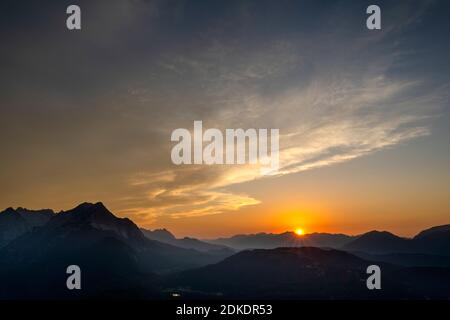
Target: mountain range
x=120, y=260
x=434, y=241
x=285, y=239
x=112, y=252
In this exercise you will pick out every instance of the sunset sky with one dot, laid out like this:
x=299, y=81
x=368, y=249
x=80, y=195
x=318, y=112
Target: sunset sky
x=363, y=114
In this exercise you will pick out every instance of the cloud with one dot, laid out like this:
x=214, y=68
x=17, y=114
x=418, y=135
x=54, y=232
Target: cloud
x=333, y=101
x=334, y=90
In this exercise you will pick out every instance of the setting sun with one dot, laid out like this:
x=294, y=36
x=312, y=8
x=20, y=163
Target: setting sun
x=299, y=232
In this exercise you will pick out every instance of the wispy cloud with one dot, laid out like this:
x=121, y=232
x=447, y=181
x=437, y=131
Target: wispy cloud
x=141, y=69
x=328, y=112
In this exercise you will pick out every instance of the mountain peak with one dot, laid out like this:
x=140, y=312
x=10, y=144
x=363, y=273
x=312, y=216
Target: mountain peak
x=87, y=210
x=378, y=234
x=378, y=242
x=91, y=206
x=433, y=231
x=9, y=210
x=163, y=235
x=96, y=215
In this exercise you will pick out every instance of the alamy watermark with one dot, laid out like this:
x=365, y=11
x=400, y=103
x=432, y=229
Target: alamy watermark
x=74, y=279
x=73, y=21
x=373, y=22
x=234, y=146
x=374, y=280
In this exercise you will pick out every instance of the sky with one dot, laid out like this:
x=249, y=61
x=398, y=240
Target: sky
x=87, y=115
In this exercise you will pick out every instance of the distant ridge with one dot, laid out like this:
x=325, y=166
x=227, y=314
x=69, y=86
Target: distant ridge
x=285, y=239
x=433, y=231
x=435, y=241
x=379, y=242
x=163, y=235
x=166, y=236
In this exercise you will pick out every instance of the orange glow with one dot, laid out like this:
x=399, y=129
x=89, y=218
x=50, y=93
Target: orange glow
x=299, y=232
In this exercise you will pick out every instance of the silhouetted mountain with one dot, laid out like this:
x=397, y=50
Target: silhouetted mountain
x=165, y=236
x=288, y=273
x=98, y=217
x=433, y=231
x=118, y=260
x=35, y=218
x=434, y=241
x=286, y=239
x=162, y=235
x=303, y=273
x=379, y=242
x=15, y=222
x=113, y=253
x=34, y=266
x=329, y=240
